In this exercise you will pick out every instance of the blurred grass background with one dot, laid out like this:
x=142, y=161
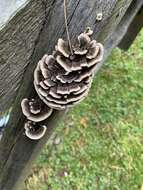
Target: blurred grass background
x=100, y=144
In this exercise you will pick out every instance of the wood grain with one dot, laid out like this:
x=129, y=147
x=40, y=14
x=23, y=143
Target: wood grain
x=17, y=43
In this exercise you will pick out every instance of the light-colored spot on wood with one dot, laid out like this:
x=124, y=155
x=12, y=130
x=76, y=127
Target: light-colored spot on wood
x=99, y=16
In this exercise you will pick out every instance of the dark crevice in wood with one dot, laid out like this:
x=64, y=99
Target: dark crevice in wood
x=72, y=15
x=12, y=147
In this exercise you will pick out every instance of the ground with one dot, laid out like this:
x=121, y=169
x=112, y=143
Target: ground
x=100, y=144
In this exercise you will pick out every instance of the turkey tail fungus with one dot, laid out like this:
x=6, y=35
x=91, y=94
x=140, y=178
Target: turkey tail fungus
x=64, y=78
x=35, y=110
x=34, y=131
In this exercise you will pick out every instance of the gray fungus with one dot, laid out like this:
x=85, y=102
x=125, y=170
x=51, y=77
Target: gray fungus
x=62, y=80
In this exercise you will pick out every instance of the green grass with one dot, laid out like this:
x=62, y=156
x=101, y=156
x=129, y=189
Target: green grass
x=102, y=138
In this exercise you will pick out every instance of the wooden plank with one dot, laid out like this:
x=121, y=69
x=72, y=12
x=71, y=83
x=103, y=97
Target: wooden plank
x=22, y=155
x=122, y=28
x=17, y=43
x=17, y=153
x=133, y=29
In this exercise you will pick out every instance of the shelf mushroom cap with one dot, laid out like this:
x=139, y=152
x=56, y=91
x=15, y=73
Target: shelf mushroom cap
x=63, y=79
x=63, y=48
x=34, y=131
x=34, y=111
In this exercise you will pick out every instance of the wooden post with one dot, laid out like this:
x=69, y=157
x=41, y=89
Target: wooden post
x=135, y=26
x=121, y=31
x=23, y=41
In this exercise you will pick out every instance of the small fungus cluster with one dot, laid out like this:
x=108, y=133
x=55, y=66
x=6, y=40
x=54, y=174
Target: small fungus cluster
x=35, y=111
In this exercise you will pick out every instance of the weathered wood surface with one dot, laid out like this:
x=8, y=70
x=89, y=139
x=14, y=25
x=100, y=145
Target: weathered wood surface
x=17, y=43
x=134, y=28
x=122, y=28
x=33, y=32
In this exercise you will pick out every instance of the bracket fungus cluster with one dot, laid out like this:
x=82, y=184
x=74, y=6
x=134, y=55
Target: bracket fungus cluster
x=64, y=78
x=35, y=111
